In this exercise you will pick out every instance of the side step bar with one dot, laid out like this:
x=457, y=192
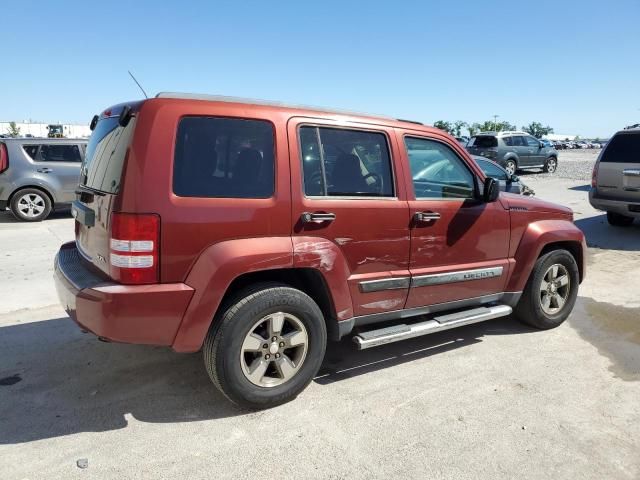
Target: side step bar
x=395, y=333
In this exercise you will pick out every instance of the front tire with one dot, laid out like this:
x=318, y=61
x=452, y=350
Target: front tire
x=266, y=347
x=618, y=220
x=30, y=205
x=551, y=165
x=551, y=291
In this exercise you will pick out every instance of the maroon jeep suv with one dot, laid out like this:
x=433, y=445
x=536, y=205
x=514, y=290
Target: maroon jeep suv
x=256, y=231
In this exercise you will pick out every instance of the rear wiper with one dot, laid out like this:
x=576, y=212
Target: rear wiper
x=83, y=189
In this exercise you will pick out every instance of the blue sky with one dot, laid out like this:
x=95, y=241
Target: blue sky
x=571, y=64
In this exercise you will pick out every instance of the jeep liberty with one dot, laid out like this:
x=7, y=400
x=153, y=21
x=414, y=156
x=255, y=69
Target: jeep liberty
x=256, y=232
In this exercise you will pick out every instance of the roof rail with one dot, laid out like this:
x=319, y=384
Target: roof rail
x=409, y=121
x=254, y=101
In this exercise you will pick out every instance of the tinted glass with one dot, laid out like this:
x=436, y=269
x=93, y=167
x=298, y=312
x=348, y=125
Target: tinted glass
x=623, y=148
x=32, y=150
x=437, y=171
x=339, y=162
x=532, y=142
x=224, y=157
x=104, y=159
x=519, y=142
x=508, y=141
x=484, y=141
x=59, y=153
x=490, y=169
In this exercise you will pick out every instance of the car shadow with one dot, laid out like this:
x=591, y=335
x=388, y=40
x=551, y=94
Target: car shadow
x=342, y=361
x=56, y=380
x=7, y=217
x=581, y=188
x=600, y=234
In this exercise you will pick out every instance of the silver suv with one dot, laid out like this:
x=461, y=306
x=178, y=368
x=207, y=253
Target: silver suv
x=615, y=183
x=38, y=175
x=514, y=151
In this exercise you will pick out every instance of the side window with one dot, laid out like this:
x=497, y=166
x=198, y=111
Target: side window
x=437, y=171
x=508, y=141
x=224, y=158
x=519, y=142
x=532, y=142
x=339, y=162
x=59, y=153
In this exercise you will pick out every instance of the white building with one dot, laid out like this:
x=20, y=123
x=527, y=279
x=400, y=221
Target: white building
x=40, y=129
x=556, y=137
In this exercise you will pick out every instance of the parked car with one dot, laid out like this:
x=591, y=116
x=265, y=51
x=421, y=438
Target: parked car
x=38, y=175
x=462, y=141
x=255, y=232
x=547, y=143
x=615, y=183
x=510, y=183
x=514, y=151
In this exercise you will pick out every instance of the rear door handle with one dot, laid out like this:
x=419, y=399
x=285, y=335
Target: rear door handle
x=308, y=217
x=424, y=217
x=44, y=170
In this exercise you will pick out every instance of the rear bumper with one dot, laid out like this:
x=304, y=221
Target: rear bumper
x=613, y=205
x=143, y=314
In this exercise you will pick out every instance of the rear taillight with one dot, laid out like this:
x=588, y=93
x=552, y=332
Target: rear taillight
x=594, y=175
x=4, y=158
x=134, y=250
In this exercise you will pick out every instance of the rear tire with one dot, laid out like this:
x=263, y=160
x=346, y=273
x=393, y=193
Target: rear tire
x=551, y=165
x=618, y=220
x=551, y=291
x=245, y=362
x=511, y=166
x=30, y=205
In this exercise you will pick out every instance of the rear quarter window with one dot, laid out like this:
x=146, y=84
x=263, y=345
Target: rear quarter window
x=224, y=158
x=623, y=148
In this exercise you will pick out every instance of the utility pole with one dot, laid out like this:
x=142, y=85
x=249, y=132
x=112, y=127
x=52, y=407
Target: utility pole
x=495, y=123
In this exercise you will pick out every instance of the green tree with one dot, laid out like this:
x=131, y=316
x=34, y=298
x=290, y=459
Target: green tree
x=13, y=131
x=457, y=127
x=537, y=129
x=492, y=126
x=442, y=125
x=473, y=128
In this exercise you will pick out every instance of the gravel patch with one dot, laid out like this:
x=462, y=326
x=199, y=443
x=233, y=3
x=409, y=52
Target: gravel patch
x=572, y=164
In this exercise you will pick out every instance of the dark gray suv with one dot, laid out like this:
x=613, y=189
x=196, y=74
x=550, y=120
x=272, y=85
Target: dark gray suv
x=514, y=151
x=38, y=175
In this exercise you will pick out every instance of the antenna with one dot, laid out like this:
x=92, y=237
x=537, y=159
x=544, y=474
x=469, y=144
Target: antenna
x=138, y=83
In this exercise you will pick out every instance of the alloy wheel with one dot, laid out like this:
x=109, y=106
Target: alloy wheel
x=31, y=205
x=554, y=289
x=274, y=349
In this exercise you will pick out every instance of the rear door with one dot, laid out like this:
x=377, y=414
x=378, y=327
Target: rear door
x=64, y=162
x=536, y=152
x=459, y=245
x=346, y=199
x=522, y=149
x=619, y=167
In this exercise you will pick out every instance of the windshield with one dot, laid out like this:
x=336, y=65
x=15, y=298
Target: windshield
x=107, y=148
x=623, y=148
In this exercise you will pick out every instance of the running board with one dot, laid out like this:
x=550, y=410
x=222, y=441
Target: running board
x=395, y=333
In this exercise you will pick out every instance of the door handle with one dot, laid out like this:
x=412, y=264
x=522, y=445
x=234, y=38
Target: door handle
x=44, y=170
x=308, y=217
x=424, y=217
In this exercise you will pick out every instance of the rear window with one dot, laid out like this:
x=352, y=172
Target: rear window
x=224, y=158
x=104, y=159
x=623, y=148
x=483, y=141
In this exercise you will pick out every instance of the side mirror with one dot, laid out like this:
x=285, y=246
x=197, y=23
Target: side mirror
x=491, y=190
x=514, y=178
